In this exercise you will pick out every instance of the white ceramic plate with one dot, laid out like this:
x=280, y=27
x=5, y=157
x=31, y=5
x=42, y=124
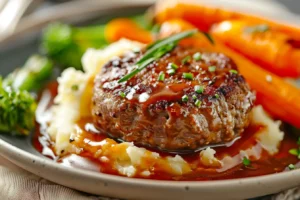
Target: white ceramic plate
x=20, y=151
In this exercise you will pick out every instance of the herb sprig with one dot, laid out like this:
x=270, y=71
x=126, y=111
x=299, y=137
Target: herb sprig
x=291, y=167
x=246, y=161
x=296, y=151
x=158, y=49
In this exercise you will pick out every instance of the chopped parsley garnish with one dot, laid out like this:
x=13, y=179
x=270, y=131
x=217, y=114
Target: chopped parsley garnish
x=199, y=89
x=295, y=152
x=185, y=98
x=156, y=51
x=161, y=76
x=261, y=28
x=197, y=56
x=122, y=94
x=291, y=166
x=171, y=71
x=75, y=87
x=212, y=68
x=172, y=66
x=198, y=103
x=186, y=60
x=217, y=96
x=233, y=71
x=246, y=161
x=194, y=97
x=188, y=76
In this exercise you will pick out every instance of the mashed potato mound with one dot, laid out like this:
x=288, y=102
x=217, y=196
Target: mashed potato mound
x=271, y=136
x=65, y=112
x=72, y=87
x=73, y=92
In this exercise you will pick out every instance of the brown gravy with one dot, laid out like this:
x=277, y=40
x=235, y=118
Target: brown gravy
x=265, y=165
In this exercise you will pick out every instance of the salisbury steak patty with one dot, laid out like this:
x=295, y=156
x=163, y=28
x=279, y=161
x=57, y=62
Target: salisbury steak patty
x=187, y=99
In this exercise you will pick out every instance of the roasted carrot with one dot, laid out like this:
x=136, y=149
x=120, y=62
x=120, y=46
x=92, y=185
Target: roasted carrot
x=126, y=28
x=173, y=26
x=279, y=98
x=204, y=16
x=273, y=50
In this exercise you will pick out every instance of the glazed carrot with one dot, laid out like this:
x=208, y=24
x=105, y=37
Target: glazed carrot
x=173, y=26
x=126, y=28
x=204, y=16
x=279, y=98
x=273, y=50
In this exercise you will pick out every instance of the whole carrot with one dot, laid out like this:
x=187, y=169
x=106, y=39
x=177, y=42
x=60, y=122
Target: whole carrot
x=279, y=98
x=281, y=53
x=205, y=16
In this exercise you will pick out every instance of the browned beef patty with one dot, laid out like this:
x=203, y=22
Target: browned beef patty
x=173, y=114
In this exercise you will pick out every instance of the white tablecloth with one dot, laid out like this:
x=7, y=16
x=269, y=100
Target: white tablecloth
x=18, y=184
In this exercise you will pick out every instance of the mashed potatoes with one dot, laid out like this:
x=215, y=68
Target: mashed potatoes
x=73, y=87
x=72, y=102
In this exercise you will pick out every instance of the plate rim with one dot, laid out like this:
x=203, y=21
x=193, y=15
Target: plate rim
x=5, y=145
x=265, y=185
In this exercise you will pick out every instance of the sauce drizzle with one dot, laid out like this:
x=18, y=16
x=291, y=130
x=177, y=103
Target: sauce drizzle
x=92, y=138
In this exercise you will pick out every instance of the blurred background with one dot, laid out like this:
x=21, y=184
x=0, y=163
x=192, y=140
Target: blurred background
x=292, y=5
x=12, y=12
x=21, y=21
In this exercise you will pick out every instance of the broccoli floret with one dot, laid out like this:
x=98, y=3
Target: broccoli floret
x=17, y=105
x=17, y=110
x=30, y=77
x=66, y=44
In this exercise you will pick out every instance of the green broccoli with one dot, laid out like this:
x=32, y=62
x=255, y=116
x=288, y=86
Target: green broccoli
x=66, y=44
x=31, y=76
x=17, y=110
x=17, y=105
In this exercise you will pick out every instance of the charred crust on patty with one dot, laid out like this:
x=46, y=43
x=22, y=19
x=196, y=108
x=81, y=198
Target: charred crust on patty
x=161, y=119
